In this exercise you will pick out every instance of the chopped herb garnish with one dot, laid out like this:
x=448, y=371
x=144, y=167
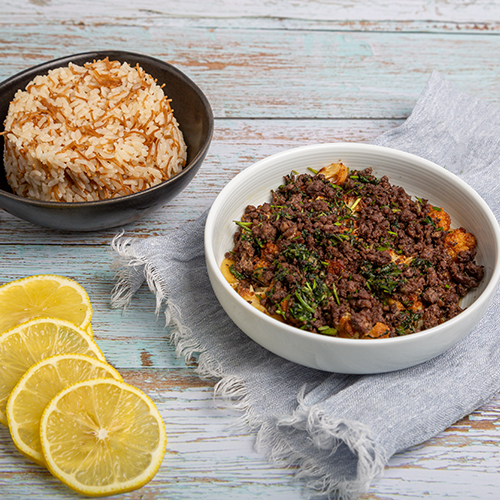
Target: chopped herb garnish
x=235, y=273
x=419, y=262
x=429, y=220
x=327, y=330
x=355, y=204
x=409, y=322
x=382, y=279
x=246, y=226
x=308, y=260
x=334, y=289
x=307, y=299
x=367, y=180
x=322, y=256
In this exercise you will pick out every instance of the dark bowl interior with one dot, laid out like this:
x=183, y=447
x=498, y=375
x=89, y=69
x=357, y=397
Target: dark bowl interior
x=191, y=109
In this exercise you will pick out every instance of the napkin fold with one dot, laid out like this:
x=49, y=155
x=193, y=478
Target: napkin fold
x=338, y=430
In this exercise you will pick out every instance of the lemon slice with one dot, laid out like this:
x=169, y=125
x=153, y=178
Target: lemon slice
x=46, y=295
x=102, y=437
x=26, y=344
x=38, y=386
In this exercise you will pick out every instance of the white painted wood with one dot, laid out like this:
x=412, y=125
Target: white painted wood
x=282, y=74
x=478, y=14
x=279, y=74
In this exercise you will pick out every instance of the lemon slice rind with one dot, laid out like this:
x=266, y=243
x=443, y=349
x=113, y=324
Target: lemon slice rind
x=24, y=345
x=38, y=386
x=94, y=448
x=44, y=295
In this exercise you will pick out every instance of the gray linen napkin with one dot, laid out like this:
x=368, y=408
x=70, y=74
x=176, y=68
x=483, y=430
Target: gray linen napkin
x=339, y=430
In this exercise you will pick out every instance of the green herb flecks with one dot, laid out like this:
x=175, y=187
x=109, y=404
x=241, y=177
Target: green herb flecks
x=335, y=294
x=382, y=279
x=327, y=330
x=355, y=204
x=239, y=276
x=246, y=226
x=307, y=260
x=409, y=322
x=364, y=179
x=420, y=263
x=307, y=299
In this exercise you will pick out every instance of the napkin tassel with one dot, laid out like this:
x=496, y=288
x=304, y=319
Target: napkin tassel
x=311, y=441
x=131, y=270
x=307, y=440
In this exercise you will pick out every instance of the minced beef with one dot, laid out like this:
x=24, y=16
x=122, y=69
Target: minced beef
x=358, y=259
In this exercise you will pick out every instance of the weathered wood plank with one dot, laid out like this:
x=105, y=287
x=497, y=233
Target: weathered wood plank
x=363, y=15
x=281, y=74
x=195, y=462
x=207, y=456
x=133, y=339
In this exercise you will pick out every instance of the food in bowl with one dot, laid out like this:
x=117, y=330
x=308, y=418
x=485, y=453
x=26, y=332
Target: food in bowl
x=348, y=254
x=92, y=132
x=419, y=177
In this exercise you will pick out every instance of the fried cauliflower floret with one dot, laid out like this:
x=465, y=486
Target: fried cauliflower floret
x=345, y=329
x=440, y=218
x=459, y=240
x=252, y=298
x=379, y=331
x=336, y=173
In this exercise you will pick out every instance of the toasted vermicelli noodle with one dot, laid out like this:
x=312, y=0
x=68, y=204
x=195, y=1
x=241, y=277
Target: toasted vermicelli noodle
x=92, y=132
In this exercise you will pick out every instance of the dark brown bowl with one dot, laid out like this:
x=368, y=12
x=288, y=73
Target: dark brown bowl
x=191, y=109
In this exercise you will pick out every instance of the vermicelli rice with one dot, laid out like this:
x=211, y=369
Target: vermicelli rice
x=83, y=133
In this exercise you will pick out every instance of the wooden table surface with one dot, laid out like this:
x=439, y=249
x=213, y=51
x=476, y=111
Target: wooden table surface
x=278, y=74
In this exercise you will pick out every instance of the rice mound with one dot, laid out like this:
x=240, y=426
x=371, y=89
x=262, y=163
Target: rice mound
x=92, y=132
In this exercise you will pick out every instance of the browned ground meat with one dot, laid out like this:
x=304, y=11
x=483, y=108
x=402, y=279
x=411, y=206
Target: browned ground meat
x=358, y=260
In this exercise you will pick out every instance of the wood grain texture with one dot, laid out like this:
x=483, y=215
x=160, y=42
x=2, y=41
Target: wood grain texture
x=282, y=73
x=278, y=74
x=363, y=15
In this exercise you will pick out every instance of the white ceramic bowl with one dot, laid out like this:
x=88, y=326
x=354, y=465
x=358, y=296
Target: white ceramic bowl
x=418, y=177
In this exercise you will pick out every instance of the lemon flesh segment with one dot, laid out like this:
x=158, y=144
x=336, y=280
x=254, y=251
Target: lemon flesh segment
x=102, y=437
x=44, y=295
x=38, y=386
x=26, y=344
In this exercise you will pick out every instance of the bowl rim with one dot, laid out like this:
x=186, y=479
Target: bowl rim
x=486, y=294
x=94, y=54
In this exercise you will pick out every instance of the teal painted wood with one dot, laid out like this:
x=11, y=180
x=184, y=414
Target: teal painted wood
x=278, y=74
x=362, y=15
x=281, y=73
x=132, y=339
